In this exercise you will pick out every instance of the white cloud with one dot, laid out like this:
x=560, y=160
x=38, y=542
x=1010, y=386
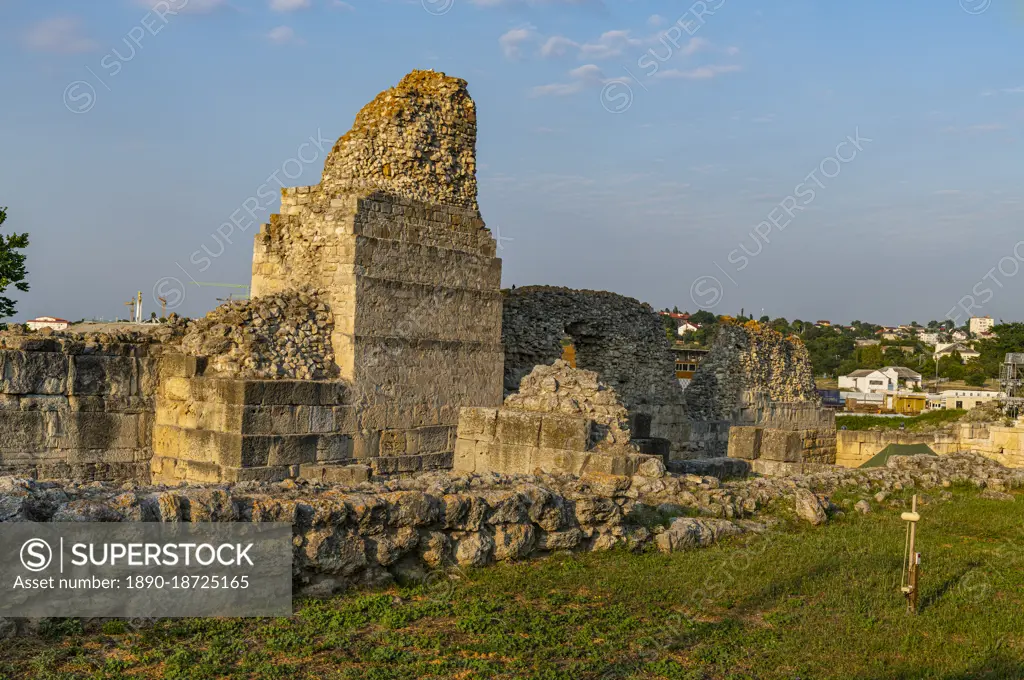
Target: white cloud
x=340, y=4
x=557, y=46
x=513, y=40
x=609, y=44
x=288, y=5
x=582, y=77
x=617, y=43
x=655, y=20
x=60, y=35
x=283, y=35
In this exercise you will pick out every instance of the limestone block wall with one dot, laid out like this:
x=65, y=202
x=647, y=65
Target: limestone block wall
x=1004, y=444
x=780, y=445
x=393, y=239
x=562, y=420
x=76, y=408
x=619, y=338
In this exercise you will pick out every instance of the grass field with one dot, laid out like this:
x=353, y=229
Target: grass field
x=925, y=421
x=803, y=603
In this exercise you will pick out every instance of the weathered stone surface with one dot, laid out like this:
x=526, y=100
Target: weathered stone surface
x=280, y=335
x=687, y=532
x=749, y=358
x=619, y=339
x=370, y=533
x=809, y=508
x=863, y=507
x=562, y=420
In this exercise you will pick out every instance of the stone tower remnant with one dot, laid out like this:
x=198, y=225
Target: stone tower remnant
x=392, y=236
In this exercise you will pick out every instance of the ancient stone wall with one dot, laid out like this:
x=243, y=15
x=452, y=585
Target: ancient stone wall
x=393, y=239
x=746, y=364
x=562, y=420
x=1002, y=443
x=77, y=406
x=619, y=338
x=371, y=533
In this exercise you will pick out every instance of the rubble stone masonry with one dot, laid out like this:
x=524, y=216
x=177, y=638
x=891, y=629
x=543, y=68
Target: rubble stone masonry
x=617, y=337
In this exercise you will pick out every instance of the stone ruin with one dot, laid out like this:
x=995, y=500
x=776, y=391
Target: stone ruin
x=561, y=420
x=755, y=396
x=393, y=239
x=619, y=338
x=747, y=360
x=378, y=344
x=376, y=317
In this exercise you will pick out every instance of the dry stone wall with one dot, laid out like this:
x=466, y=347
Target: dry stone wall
x=749, y=363
x=393, y=238
x=371, y=533
x=619, y=338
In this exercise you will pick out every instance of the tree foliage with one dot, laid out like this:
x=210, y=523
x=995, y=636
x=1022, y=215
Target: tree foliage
x=12, y=266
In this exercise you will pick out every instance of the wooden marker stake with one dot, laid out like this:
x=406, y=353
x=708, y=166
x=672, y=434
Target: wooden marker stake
x=912, y=559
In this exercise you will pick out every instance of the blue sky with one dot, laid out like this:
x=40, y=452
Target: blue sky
x=623, y=145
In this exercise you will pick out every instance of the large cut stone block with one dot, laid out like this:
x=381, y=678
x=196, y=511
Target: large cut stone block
x=518, y=428
x=477, y=423
x=33, y=372
x=95, y=374
x=745, y=442
x=467, y=454
x=785, y=446
x=23, y=430
x=511, y=459
x=564, y=432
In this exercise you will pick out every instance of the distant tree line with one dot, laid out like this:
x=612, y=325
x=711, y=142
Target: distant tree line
x=833, y=349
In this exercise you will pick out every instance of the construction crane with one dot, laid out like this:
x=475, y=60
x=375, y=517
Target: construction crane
x=226, y=285
x=131, y=304
x=163, y=307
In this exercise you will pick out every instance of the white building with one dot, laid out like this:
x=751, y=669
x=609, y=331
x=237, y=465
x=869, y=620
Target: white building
x=929, y=338
x=981, y=324
x=47, y=322
x=686, y=328
x=962, y=399
x=884, y=379
x=946, y=348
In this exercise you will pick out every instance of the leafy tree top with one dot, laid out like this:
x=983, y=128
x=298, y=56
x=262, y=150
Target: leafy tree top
x=12, y=266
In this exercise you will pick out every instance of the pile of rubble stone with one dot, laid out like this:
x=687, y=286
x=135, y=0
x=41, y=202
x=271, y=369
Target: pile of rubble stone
x=559, y=388
x=281, y=335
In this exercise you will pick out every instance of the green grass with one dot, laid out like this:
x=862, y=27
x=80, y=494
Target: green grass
x=926, y=421
x=804, y=603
